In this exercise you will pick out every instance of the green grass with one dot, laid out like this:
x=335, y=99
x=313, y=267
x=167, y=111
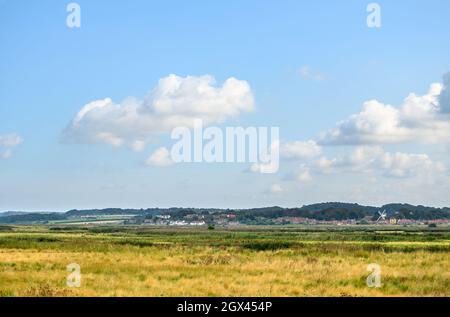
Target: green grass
x=250, y=261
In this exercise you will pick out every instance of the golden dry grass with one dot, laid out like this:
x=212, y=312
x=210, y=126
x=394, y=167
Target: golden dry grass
x=37, y=267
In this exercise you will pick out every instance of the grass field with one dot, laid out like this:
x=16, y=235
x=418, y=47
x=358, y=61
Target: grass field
x=270, y=261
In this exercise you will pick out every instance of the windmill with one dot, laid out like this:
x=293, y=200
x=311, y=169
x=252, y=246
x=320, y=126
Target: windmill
x=382, y=216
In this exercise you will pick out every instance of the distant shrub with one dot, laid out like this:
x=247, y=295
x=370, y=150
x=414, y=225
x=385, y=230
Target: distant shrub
x=46, y=239
x=136, y=243
x=267, y=246
x=72, y=228
x=107, y=229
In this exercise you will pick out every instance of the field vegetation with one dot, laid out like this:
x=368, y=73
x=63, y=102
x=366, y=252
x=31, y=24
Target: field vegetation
x=250, y=261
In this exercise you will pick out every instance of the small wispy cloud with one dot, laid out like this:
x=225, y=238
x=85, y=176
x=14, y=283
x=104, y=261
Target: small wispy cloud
x=160, y=157
x=276, y=189
x=307, y=72
x=7, y=142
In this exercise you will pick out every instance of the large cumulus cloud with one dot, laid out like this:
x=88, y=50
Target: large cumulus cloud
x=175, y=101
x=423, y=119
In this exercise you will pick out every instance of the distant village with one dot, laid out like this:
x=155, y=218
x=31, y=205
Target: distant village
x=331, y=213
x=232, y=220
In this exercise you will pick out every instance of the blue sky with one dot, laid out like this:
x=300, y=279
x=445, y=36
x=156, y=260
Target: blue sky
x=309, y=66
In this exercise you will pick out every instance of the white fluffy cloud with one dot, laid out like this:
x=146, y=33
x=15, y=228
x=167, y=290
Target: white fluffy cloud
x=160, y=157
x=422, y=119
x=406, y=165
x=291, y=150
x=375, y=159
x=175, y=101
x=300, y=149
x=7, y=142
